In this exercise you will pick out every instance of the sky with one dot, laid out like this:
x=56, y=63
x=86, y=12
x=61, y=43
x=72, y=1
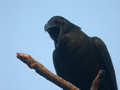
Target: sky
x=22, y=30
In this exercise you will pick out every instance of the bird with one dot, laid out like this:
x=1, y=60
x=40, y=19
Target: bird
x=78, y=57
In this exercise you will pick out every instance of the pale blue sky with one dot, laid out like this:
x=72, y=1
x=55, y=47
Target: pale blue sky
x=22, y=30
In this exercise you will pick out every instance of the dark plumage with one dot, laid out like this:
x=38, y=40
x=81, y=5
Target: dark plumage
x=78, y=57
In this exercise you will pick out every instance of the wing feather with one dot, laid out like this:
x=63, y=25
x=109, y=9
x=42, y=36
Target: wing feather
x=104, y=54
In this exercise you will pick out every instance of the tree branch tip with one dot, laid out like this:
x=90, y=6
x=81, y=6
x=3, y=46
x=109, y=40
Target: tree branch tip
x=101, y=71
x=101, y=74
x=22, y=55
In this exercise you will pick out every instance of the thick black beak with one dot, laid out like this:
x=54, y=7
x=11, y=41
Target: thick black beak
x=48, y=27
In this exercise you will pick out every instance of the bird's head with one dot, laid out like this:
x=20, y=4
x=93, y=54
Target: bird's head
x=57, y=26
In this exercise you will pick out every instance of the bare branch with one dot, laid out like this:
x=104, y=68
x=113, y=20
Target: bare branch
x=40, y=69
x=97, y=80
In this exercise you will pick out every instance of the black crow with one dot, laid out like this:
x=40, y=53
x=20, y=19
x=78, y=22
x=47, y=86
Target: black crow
x=78, y=57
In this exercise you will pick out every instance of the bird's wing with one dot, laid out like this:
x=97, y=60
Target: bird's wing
x=104, y=54
x=57, y=56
